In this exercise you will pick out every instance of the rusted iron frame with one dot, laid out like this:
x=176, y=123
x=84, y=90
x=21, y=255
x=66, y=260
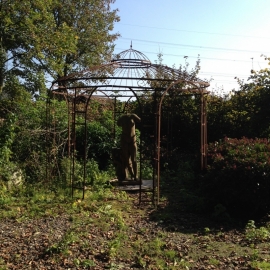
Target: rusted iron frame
x=203, y=132
x=86, y=105
x=196, y=89
x=143, y=134
x=116, y=64
x=74, y=141
x=158, y=159
x=76, y=111
x=99, y=78
x=72, y=131
x=203, y=129
x=140, y=154
x=50, y=134
x=48, y=141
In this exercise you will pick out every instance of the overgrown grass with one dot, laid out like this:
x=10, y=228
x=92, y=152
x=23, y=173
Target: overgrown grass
x=109, y=217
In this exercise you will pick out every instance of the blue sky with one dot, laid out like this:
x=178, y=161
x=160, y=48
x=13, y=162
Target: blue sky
x=230, y=36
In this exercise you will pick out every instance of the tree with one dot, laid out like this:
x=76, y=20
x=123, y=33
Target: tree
x=245, y=113
x=88, y=25
x=41, y=39
x=54, y=38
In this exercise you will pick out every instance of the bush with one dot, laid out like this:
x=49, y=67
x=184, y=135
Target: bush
x=238, y=176
x=100, y=142
x=94, y=177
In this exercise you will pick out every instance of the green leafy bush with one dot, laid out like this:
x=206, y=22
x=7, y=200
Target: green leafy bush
x=94, y=177
x=254, y=234
x=10, y=172
x=100, y=142
x=238, y=176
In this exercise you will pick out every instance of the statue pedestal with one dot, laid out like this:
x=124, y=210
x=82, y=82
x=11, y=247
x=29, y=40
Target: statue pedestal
x=133, y=185
x=128, y=182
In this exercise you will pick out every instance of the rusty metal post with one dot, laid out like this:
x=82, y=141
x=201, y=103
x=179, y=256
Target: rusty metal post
x=158, y=135
x=48, y=138
x=203, y=133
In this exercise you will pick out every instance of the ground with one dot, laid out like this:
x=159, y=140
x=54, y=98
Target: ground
x=113, y=231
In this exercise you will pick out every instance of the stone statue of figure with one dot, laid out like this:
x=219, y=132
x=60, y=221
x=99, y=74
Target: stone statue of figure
x=118, y=163
x=128, y=143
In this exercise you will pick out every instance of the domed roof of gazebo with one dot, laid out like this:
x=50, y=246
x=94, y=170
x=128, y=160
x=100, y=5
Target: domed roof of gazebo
x=131, y=69
x=131, y=59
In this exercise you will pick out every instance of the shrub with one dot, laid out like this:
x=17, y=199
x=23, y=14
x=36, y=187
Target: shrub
x=94, y=177
x=254, y=234
x=238, y=176
x=100, y=142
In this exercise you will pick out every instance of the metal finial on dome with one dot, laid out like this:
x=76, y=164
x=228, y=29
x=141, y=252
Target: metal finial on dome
x=131, y=59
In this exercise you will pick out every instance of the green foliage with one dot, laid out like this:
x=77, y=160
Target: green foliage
x=13, y=95
x=100, y=142
x=146, y=170
x=54, y=38
x=23, y=140
x=181, y=115
x=30, y=143
x=264, y=265
x=254, y=234
x=7, y=137
x=238, y=176
x=241, y=113
x=95, y=178
x=45, y=39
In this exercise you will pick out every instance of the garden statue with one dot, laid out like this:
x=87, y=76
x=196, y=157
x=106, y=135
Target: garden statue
x=118, y=163
x=128, y=150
